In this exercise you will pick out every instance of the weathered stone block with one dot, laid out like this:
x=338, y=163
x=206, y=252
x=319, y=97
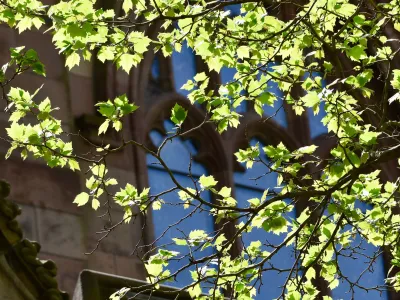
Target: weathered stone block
x=123, y=177
x=81, y=94
x=7, y=40
x=130, y=266
x=102, y=262
x=61, y=233
x=124, y=158
x=39, y=185
x=27, y=221
x=120, y=241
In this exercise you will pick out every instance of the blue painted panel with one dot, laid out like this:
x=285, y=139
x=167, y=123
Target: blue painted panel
x=184, y=67
x=272, y=281
x=227, y=74
x=173, y=212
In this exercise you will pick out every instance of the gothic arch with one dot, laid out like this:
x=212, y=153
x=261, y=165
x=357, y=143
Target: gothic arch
x=140, y=75
x=211, y=152
x=265, y=129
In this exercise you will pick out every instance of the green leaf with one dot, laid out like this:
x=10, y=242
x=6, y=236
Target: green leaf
x=200, y=77
x=103, y=127
x=126, y=61
x=140, y=41
x=105, y=53
x=117, y=125
x=111, y=181
x=356, y=53
x=157, y=205
x=396, y=79
x=45, y=105
x=107, y=109
x=258, y=108
x=310, y=274
x=195, y=291
x=127, y=6
x=225, y=192
x=188, y=86
x=73, y=164
x=219, y=240
x=16, y=131
x=24, y=24
x=39, y=68
x=179, y=242
x=197, y=234
x=254, y=202
x=243, y=52
x=207, y=181
x=311, y=99
x=73, y=60
x=276, y=225
x=267, y=98
x=95, y=204
x=307, y=149
x=368, y=138
x=81, y=199
x=178, y=114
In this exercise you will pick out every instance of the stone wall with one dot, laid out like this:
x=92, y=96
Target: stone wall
x=45, y=195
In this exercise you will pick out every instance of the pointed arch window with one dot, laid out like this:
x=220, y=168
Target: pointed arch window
x=246, y=187
x=276, y=112
x=178, y=155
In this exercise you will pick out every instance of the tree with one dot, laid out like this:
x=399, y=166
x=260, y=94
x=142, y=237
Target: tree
x=340, y=54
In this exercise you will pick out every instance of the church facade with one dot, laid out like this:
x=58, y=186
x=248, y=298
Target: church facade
x=67, y=233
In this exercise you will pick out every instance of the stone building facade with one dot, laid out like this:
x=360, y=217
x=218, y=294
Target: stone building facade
x=66, y=232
